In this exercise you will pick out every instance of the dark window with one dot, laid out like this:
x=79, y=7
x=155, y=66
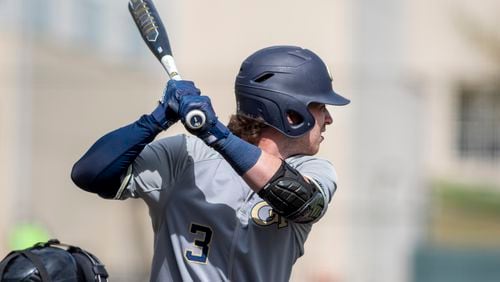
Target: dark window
x=479, y=121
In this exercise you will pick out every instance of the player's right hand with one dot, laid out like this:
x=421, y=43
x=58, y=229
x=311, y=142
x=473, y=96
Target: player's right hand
x=167, y=111
x=212, y=130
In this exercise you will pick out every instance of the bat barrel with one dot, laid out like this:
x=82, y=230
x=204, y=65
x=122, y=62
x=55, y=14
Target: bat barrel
x=155, y=36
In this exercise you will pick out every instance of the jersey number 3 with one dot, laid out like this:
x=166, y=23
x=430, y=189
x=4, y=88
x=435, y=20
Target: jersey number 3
x=204, y=235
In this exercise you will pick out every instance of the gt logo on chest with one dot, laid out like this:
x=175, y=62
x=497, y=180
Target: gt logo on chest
x=264, y=215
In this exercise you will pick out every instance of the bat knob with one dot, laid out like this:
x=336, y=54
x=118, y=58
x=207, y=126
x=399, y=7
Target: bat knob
x=195, y=119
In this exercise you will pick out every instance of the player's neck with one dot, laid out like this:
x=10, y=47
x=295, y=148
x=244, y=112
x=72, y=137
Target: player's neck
x=275, y=144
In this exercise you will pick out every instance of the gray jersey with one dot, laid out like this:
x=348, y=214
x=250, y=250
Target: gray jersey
x=208, y=224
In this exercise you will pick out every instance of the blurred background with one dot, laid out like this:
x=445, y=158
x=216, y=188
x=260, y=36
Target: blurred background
x=417, y=151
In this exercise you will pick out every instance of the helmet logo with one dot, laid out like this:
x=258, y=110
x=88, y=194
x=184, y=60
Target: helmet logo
x=329, y=73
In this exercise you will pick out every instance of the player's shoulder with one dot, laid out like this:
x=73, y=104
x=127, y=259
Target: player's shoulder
x=318, y=169
x=313, y=166
x=299, y=161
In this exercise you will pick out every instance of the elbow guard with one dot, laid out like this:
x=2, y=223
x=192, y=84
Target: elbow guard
x=291, y=196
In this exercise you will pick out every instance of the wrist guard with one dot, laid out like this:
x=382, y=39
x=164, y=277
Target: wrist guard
x=291, y=196
x=240, y=154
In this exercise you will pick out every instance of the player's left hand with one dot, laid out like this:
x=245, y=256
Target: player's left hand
x=212, y=130
x=167, y=111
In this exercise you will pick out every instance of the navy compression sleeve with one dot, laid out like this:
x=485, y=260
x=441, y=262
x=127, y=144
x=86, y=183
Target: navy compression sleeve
x=101, y=168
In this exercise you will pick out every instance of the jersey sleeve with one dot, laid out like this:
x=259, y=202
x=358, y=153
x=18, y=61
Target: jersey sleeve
x=320, y=172
x=155, y=171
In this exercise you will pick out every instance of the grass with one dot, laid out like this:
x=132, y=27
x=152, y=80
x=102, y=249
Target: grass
x=465, y=214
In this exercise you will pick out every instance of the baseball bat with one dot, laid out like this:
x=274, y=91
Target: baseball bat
x=154, y=34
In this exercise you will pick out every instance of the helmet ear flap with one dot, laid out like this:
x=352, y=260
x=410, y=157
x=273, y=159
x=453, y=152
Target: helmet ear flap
x=256, y=106
x=284, y=113
x=296, y=118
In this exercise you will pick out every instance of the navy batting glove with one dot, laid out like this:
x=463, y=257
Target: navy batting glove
x=212, y=131
x=240, y=154
x=166, y=113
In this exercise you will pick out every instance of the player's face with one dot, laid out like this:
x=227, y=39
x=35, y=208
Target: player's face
x=309, y=143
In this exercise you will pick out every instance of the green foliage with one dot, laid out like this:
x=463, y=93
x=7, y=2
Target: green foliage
x=464, y=214
x=480, y=199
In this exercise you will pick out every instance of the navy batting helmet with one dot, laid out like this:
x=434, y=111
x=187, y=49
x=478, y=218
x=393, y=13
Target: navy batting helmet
x=46, y=263
x=281, y=80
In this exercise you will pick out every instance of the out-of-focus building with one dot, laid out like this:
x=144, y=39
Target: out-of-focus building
x=418, y=143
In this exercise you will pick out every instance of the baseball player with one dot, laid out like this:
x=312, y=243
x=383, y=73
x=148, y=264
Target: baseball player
x=227, y=203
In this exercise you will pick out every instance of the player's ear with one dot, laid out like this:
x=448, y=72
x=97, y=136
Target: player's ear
x=294, y=118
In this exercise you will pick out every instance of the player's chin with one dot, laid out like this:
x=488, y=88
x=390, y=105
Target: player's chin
x=318, y=145
x=313, y=150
